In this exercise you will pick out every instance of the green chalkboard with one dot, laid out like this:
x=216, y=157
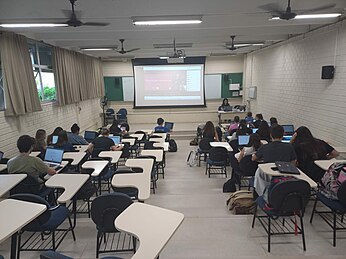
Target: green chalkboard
x=114, y=88
x=226, y=80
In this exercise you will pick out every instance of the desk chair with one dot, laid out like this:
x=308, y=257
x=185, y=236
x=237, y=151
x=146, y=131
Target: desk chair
x=144, y=138
x=53, y=255
x=246, y=172
x=132, y=192
x=203, y=149
x=217, y=160
x=122, y=116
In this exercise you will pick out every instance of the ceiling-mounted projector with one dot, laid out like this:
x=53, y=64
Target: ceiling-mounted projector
x=175, y=60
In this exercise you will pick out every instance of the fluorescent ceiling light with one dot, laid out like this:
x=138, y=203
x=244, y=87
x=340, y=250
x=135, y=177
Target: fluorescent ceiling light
x=312, y=16
x=95, y=49
x=166, y=20
x=164, y=57
x=32, y=25
x=247, y=44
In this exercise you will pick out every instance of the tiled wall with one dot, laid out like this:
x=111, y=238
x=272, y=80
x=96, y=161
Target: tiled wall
x=289, y=84
x=86, y=114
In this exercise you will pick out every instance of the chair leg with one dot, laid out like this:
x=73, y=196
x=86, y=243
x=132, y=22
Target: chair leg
x=302, y=231
x=98, y=241
x=269, y=232
x=334, y=228
x=313, y=210
x=254, y=217
x=134, y=241
x=53, y=240
x=71, y=228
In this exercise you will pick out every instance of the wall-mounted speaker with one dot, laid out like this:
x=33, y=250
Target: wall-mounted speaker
x=328, y=72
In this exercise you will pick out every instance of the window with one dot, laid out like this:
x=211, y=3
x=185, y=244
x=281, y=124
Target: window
x=2, y=95
x=41, y=58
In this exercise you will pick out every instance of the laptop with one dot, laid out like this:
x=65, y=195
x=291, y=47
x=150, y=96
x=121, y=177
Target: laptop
x=227, y=108
x=53, y=157
x=286, y=138
x=286, y=167
x=116, y=139
x=169, y=125
x=243, y=140
x=54, y=139
x=289, y=129
x=90, y=135
x=254, y=130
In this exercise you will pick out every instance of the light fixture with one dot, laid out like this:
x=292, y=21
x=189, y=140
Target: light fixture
x=166, y=20
x=164, y=57
x=32, y=25
x=248, y=44
x=95, y=49
x=312, y=16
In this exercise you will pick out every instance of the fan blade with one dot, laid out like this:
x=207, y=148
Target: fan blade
x=317, y=9
x=130, y=50
x=272, y=8
x=121, y=51
x=95, y=24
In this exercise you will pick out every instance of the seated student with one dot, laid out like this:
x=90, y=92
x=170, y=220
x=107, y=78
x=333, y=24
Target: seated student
x=264, y=131
x=24, y=163
x=55, y=133
x=273, y=121
x=234, y=125
x=309, y=149
x=269, y=153
x=225, y=105
x=114, y=128
x=258, y=120
x=209, y=132
x=254, y=144
x=160, y=128
x=63, y=142
x=243, y=129
x=40, y=141
x=74, y=138
x=249, y=118
x=102, y=143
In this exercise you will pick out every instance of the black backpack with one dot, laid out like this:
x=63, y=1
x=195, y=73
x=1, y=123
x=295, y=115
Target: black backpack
x=229, y=186
x=172, y=146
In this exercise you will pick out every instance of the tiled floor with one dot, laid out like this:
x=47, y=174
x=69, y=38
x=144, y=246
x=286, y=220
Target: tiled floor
x=209, y=230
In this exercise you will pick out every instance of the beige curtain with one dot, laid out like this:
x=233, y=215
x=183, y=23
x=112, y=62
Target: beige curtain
x=21, y=95
x=78, y=77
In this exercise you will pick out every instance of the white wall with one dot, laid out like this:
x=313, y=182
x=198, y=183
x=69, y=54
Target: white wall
x=289, y=84
x=86, y=114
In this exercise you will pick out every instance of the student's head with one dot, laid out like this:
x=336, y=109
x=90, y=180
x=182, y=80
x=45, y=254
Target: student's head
x=242, y=124
x=263, y=130
x=259, y=116
x=40, y=135
x=273, y=121
x=105, y=132
x=75, y=128
x=277, y=131
x=56, y=131
x=62, y=138
x=303, y=135
x=255, y=141
x=225, y=102
x=249, y=114
x=208, y=128
x=25, y=143
x=236, y=119
x=160, y=121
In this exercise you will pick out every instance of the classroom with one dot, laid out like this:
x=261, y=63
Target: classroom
x=88, y=74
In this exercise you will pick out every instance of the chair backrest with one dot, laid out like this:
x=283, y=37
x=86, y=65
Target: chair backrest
x=234, y=144
x=204, y=144
x=122, y=113
x=218, y=154
x=40, y=220
x=150, y=145
x=27, y=185
x=110, y=111
x=106, y=208
x=290, y=196
x=342, y=193
x=247, y=166
x=141, y=132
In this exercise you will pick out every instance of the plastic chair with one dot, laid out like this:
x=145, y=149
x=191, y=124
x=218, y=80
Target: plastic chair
x=110, y=116
x=129, y=191
x=217, y=160
x=122, y=116
x=203, y=149
x=286, y=199
x=246, y=171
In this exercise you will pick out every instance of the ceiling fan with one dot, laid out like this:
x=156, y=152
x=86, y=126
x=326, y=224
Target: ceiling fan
x=288, y=14
x=123, y=51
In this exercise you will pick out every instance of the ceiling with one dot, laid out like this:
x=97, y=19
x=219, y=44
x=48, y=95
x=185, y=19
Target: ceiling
x=221, y=19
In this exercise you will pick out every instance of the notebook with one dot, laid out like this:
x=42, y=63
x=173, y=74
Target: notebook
x=289, y=129
x=116, y=139
x=243, y=140
x=169, y=125
x=286, y=167
x=53, y=157
x=54, y=139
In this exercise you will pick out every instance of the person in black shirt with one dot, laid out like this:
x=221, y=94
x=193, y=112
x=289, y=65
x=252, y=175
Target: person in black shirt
x=308, y=150
x=258, y=120
x=264, y=131
x=102, y=143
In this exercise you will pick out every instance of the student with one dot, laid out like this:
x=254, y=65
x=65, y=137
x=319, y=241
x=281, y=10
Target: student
x=209, y=131
x=55, y=133
x=63, y=142
x=40, y=141
x=258, y=120
x=242, y=130
x=114, y=128
x=24, y=163
x=269, y=153
x=234, y=125
x=160, y=128
x=249, y=118
x=74, y=138
x=309, y=149
x=254, y=144
x=273, y=121
x=224, y=105
x=102, y=143
x=264, y=131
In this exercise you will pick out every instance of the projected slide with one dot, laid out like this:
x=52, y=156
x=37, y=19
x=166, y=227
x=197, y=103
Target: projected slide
x=169, y=85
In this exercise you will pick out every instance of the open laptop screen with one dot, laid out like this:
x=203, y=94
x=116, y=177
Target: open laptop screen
x=243, y=140
x=91, y=135
x=54, y=139
x=116, y=139
x=54, y=155
x=286, y=138
x=169, y=125
x=254, y=130
x=289, y=129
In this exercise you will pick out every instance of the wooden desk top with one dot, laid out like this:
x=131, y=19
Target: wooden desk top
x=71, y=183
x=154, y=229
x=8, y=181
x=131, y=141
x=114, y=155
x=266, y=168
x=222, y=144
x=81, y=148
x=157, y=153
x=75, y=156
x=325, y=164
x=139, y=136
x=98, y=166
x=16, y=214
x=164, y=145
x=141, y=181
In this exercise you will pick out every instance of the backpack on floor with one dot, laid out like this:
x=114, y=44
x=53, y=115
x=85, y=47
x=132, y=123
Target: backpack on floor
x=194, y=142
x=229, y=186
x=192, y=158
x=332, y=180
x=241, y=202
x=172, y=146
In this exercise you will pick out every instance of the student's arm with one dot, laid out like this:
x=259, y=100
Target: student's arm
x=258, y=155
x=51, y=171
x=216, y=137
x=90, y=148
x=42, y=167
x=294, y=136
x=333, y=154
x=254, y=157
x=241, y=155
x=116, y=148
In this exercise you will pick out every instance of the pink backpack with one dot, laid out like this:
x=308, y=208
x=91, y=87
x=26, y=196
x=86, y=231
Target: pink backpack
x=332, y=179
